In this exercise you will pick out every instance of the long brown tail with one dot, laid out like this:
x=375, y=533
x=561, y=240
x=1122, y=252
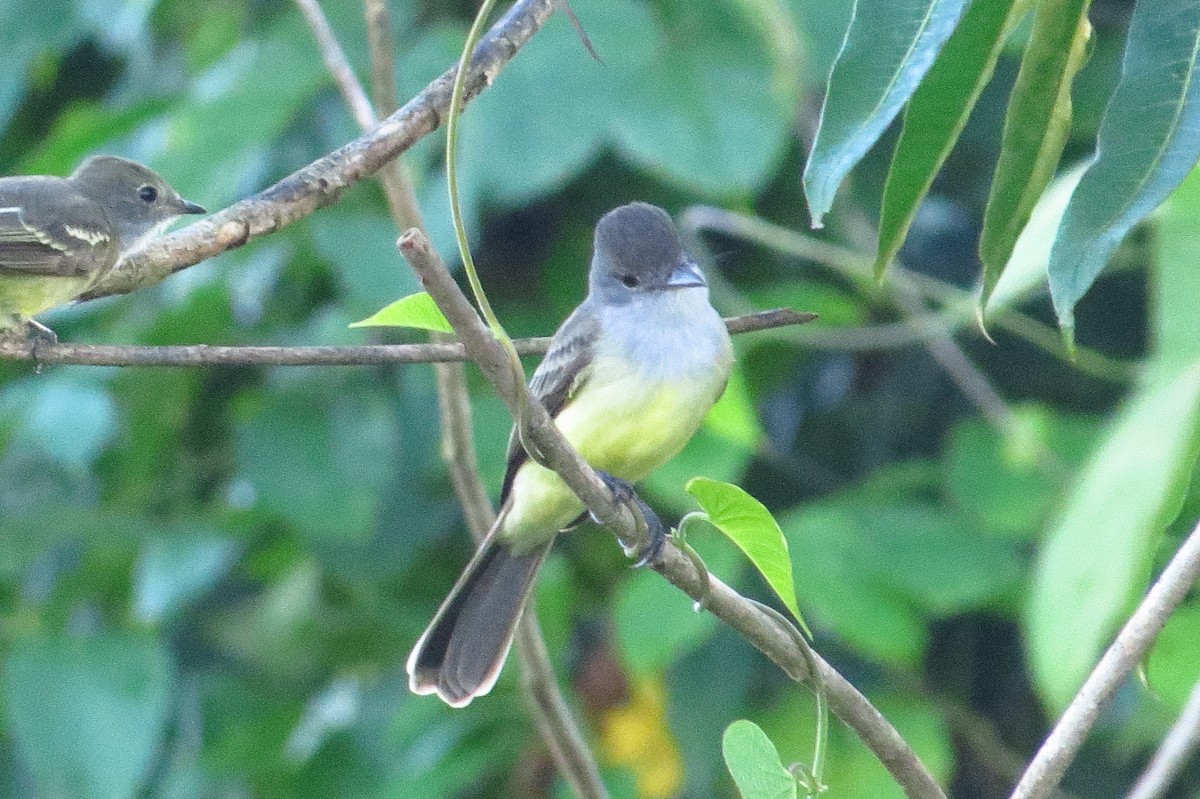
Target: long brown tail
x=461, y=652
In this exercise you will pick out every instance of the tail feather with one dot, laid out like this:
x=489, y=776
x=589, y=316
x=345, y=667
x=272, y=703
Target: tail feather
x=461, y=652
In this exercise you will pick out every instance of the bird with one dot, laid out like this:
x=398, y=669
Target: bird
x=60, y=236
x=628, y=378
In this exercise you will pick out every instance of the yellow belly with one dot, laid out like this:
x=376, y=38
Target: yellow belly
x=620, y=424
x=23, y=297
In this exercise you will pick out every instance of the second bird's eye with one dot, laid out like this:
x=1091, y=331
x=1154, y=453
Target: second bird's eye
x=629, y=280
x=148, y=193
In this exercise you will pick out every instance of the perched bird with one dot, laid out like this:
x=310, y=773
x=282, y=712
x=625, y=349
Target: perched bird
x=628, y=379
x=60, y=236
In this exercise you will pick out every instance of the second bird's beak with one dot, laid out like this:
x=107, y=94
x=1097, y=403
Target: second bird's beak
x=192, y=208
x=686, y=275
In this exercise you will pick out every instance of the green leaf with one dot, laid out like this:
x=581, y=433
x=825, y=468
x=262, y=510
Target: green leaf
x=754, y=763
x=88, y=713
x=1025, y=273
x=749, y=524
x=937, y=113
x=1035, y=129
x=1095, y=561
x=1176, y=284
x=416, y=310
x=889, y=46
x=1172, y=666
x=1147, y=145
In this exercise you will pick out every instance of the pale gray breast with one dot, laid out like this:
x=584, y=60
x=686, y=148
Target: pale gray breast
x=668, y=335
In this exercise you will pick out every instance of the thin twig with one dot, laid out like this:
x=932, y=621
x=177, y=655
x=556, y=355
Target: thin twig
x=397, y=184
x=1048, y=766
x=322, y=182
x=726, y=604
x=958, y=306
x=1182, y=740
x=338, y=65
x=361, y=355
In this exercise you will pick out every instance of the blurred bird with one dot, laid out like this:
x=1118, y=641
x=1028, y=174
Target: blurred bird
x=60, y=236
x=628, y=379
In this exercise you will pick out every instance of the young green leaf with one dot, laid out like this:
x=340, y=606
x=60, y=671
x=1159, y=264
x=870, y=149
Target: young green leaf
x=937, y=113
x=1035, y=129
x=753, y=762
x=1146, y=147
x=889, y=46
x=749, y=524
x=1096, y=560
x=415, y=310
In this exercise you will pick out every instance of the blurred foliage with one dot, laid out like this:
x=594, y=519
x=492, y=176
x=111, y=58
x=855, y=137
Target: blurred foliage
x=210, y=579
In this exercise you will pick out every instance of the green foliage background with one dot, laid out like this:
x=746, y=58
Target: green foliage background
x=209, y=579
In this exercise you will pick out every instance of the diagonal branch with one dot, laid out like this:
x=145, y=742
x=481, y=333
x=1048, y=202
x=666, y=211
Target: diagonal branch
x=756, y=626
x=321, y=183
x=1131, y=644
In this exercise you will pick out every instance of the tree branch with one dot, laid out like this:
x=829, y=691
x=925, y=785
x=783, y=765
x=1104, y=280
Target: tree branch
x=355, y=355
x=553, y=719
x=756, y=626
x=1182, y=740
x=321, y=183
x=1048, y=766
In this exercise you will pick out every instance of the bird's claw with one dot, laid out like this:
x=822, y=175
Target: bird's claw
x=656, y=532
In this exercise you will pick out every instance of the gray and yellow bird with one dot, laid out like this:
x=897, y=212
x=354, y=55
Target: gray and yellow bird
x=628, y=378
x=60, y=236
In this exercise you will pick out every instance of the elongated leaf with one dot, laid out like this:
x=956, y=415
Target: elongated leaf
x=416, y=310
x=1035, y=129
x=1147, y=144
x=753, y=762
x=1177, y=283
x=889, y=46
x=1096, y=560
x=937, y=113
x=749, y=524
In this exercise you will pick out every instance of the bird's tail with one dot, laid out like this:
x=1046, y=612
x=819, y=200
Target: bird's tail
x=461, y=652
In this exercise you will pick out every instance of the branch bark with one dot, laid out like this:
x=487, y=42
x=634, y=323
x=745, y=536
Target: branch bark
x=192, y=355
x=1048, y=766
x=321, y=183
x=756, y=626
x=1182, y=740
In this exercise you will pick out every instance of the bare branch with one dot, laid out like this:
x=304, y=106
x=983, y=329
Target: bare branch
x=756, y=626
x=321, y=183
x=1048, y=766
x=360, y=355
x=338, y=65
x=1182, y=740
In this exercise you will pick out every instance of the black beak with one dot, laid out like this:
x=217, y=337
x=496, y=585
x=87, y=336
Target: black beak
x=686, y=275
x=192, y=208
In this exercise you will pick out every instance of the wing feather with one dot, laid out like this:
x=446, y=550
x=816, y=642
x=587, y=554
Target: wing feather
x=557, y=378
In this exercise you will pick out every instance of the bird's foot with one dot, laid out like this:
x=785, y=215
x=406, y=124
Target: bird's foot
x=38, y=335
x=656, y=532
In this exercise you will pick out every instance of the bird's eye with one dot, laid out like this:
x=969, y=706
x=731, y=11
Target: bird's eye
x=629, y=280
x=148, y=193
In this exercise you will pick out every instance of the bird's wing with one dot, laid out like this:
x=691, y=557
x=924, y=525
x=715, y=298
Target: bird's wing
x=58, y=249
x=558, y=377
